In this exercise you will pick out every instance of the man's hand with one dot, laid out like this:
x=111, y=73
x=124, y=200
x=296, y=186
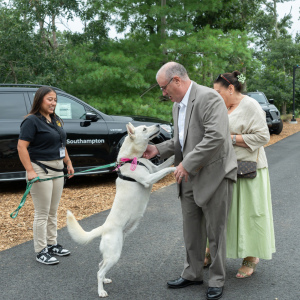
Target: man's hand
x=180, y=173
x=150, y=152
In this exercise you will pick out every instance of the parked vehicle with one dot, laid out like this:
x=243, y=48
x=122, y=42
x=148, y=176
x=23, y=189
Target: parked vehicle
x=93, y=138
x=272, y=113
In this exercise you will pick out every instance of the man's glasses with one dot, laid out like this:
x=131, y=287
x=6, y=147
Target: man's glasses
x=221, y=76
x=165, y=86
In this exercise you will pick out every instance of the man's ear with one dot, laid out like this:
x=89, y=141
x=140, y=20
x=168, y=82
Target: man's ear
x=177, y=79
x=130, y=130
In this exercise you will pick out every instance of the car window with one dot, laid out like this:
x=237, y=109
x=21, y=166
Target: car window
x=259, y=97
x=12, y=106
x=68, y=109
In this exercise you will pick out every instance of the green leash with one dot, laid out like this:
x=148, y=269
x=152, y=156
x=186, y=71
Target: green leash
x=31, y=182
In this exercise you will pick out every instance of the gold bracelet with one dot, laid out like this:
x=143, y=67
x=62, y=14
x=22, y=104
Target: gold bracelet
x=67, y=161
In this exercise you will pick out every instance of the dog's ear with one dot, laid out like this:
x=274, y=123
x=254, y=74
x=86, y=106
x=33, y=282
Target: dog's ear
x=130, y=130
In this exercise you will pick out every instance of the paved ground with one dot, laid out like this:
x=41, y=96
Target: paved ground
x=154, y=253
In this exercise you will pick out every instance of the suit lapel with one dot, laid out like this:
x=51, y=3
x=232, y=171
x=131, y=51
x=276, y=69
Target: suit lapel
x=189, y=110
x=176, y=113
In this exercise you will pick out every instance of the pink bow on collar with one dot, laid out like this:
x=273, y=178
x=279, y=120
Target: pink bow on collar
x=133, y=164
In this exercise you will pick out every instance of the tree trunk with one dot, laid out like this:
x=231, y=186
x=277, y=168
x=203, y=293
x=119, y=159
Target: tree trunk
x=275, y=18
x=13, y=71
x=54, y=32
x=211, y=72
x=283, y=108
x=42, y=31
x=245, y=83
x=163, y=29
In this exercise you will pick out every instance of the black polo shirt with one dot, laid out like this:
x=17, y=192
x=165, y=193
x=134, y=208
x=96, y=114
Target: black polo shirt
x=45, y=138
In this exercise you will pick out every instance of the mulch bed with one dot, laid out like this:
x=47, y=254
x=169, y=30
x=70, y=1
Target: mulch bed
x=83, y=195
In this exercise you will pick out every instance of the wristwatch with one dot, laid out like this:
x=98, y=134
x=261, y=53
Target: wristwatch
x=234, y=140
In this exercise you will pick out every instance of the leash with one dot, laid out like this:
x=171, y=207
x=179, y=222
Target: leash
x=31, y=182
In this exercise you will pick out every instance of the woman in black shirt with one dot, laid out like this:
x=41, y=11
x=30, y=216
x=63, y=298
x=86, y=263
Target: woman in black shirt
x=42, y=151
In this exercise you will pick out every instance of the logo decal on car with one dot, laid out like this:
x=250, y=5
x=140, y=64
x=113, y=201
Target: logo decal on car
x=80, y=141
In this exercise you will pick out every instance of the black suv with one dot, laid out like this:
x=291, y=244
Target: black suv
x=93, y=138
x=272, y=113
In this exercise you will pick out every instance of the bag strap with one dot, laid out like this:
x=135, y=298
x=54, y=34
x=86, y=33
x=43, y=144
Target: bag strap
x=257, y=155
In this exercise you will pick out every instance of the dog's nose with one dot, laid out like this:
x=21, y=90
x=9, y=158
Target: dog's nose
x=157, y=125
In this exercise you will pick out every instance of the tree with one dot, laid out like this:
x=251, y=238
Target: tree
x=155, y=32
x=277, y=52
x=23, y=58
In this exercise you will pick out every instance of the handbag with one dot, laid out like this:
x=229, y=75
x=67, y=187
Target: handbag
x=247, y=169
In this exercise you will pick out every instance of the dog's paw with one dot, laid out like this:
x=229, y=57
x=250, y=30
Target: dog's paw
x=102, y=294
x=107, y=280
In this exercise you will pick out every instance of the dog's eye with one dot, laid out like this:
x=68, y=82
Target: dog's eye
x=145, y=129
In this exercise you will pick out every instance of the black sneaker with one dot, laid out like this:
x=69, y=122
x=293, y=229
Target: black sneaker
x=58, y=250
x=46, y=258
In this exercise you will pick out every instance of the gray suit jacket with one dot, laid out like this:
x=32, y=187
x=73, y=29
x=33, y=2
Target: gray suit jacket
x=208, y=154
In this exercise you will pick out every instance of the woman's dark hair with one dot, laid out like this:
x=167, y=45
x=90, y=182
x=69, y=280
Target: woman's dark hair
x=38, y=99
x=230, y=78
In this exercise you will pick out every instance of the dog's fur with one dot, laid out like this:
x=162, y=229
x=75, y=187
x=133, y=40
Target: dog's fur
x=129, y=204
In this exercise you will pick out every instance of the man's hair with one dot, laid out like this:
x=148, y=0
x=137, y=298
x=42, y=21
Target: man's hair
x=173, y=69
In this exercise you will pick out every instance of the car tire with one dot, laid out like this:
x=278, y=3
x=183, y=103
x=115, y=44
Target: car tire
x=279, y=128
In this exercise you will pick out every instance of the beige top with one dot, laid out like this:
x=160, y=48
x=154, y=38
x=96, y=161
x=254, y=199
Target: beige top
x=249, y=120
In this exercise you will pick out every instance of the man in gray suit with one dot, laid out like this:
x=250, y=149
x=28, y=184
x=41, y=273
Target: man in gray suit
x=206, y=169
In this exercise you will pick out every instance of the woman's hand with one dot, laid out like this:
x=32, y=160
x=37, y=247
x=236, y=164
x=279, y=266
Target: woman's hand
x=68, y=162
x=70, y=171
x=31, y=175
x=25, y=159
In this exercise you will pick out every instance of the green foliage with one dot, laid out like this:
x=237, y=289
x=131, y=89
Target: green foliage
x=277, y=53
x=25, y=56
x=208, y=37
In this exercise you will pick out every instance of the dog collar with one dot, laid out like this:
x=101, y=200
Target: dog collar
x=132, y=161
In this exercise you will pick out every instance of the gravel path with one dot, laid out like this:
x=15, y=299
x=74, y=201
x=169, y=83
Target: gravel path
x=83, y=195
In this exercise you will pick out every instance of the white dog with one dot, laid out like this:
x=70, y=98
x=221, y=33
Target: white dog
x=130, y=201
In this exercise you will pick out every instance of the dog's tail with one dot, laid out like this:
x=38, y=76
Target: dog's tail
x=78, y=234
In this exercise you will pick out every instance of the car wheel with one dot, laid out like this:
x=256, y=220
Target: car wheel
x=279, y=128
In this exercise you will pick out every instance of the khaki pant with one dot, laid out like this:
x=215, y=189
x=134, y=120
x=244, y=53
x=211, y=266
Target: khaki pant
x=200, y=223
x=46, y=196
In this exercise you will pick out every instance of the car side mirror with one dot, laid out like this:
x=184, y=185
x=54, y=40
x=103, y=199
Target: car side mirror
x=271, y=101
x=90, y=116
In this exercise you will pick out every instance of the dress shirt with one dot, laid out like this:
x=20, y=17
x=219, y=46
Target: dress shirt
x=181, y=117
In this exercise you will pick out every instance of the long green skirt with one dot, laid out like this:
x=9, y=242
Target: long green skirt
x=250, y=229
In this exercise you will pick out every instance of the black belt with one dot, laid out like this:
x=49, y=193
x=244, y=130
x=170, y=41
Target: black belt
x=45, y=167
x=126, y=177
